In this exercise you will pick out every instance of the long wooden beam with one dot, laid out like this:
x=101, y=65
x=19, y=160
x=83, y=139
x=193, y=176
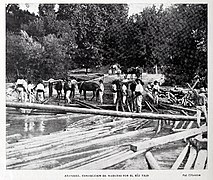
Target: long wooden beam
x=152, y=163
x=169, y=138
x=110, y=161
x=179, y=107
x=102, y=112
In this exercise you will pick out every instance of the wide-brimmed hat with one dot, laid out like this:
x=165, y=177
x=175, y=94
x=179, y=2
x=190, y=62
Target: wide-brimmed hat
x=139, y=81
x=156, y=82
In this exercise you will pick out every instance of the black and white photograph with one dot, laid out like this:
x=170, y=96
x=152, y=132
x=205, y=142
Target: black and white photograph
x=107, y=90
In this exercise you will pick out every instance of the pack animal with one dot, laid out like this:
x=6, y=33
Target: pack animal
x=58, y=88
x=88, y=86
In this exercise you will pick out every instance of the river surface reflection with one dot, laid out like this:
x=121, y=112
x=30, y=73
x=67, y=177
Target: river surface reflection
x=30, y=126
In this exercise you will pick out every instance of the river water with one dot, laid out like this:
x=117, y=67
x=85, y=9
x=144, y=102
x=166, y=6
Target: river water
x=36, y=125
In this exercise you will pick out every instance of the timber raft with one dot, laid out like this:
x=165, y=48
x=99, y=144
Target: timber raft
x=100, y=112
x=105, y=139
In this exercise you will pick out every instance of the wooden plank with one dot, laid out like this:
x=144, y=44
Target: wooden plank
x=191, y=158
x=86, y=104
x=153, y=107
x=201, y=160
x=149, y=106
x=159, y=126
x=75, y=146
x=13, y=138
x=110, y=161
x=189, y=125
x=58, y=158
x=89, y=159
x=152, y=163
x=180, y=158
x=184, y=113
x=169, y=138
x=179, y=107
x=103, y=112
x=45, y=145
x=105, y=162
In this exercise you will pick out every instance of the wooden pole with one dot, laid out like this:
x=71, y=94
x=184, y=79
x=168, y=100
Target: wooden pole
x=107, y=162
x=168, y=138
x=102, y=112
x=179, y=107
x=180, y=158
x=149, y=106
x=112, y=160
x=191, y=158
x=153, y=164
x=201, y=160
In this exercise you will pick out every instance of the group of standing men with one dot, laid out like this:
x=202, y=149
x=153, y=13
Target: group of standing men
x=26, y=90
x=130, y=94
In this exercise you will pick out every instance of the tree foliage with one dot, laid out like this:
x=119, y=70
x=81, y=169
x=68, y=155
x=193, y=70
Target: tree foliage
x=89, y=35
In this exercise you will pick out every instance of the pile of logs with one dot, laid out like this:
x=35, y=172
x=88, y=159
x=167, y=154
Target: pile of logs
x=84, y=141
x=192, y=156
x=94, y=142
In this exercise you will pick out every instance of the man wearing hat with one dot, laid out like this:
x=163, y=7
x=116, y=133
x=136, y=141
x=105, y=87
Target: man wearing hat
x=138, y=93
x=155, y=92
x=200, y=102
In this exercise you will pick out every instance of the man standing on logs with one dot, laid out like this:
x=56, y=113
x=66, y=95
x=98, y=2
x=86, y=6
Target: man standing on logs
x=21, y=88
x=73, y=87
x=138, y=94
x=40, y=91
x=155, y=92
x=67, y=89
x=200, y=102
x=114, y=92
x=119, y=99
x=101, y=91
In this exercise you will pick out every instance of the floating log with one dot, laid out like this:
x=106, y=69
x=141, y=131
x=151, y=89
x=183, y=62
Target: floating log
x=13, y=138
x=179, y=107
x=152, y=163
x=110, y=161
x=54, y=137
x=184, y=113
x=180, y=158
x=149, y=106
x=84, y=104
x=54, y=142
x=159, y=126
x=106, y=162
x=201, y=160
x=168, y=138
x=189, y=125
x=153, y=107
x=176, y=124
x=75, y=146
x=191, y=158
x=107, y=106
x=39, y=162
x=89, y=159
x=103, y=112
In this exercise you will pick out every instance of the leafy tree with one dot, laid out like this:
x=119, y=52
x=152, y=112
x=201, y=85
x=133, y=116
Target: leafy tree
x=23, y=55
x=187, y=53
x=90, y=22
x=89, y=35
x=15, y=17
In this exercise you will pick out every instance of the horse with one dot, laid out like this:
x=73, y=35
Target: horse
x=89, y=86
x=58, y=88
